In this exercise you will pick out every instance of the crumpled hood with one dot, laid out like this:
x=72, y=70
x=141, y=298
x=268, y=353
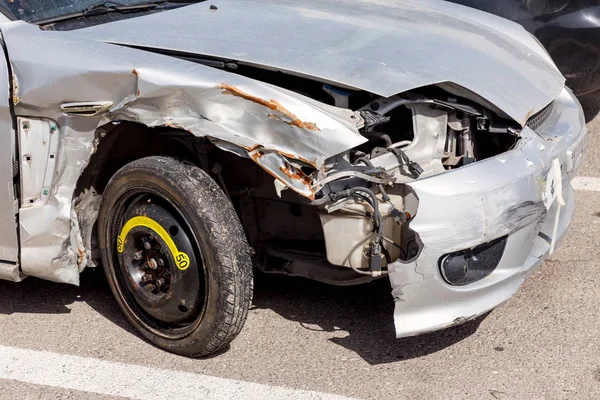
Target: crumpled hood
x=381, y=47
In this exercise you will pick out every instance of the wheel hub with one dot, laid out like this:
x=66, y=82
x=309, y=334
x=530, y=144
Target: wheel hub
x=151, y=260
x=159, y=263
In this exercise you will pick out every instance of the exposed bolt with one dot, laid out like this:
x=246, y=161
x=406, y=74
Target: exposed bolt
x=160, y=282
x=217, y=168
x=25, y=125
x=147, y=245
x=152, y=263
x=161, y=262
x=138, y=255
x=150, y=287
x=146, y=278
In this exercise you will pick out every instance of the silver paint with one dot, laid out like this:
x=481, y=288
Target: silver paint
x=384, y=47
x=156, y=91
x=8, y=206
x=475, y=204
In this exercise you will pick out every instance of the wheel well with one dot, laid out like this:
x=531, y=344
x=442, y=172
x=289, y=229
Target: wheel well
x=269, y=220
x=122, y=143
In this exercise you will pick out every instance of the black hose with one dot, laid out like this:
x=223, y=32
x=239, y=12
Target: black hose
x=395, y=245
x=379, y=135
x=375, y=204
x=359, y=153
x=365, y=193
x=387, y=139
x=321, y=201
x=384, y=194
x=386, y=253
x=364, y=160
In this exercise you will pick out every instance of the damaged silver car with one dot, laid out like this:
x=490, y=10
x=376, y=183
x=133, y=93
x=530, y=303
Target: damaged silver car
x=181, y=145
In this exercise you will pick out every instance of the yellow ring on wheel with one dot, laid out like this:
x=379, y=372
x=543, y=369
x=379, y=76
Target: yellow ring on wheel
x=182, y=261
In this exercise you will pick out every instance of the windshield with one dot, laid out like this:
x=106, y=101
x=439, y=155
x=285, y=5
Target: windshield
x=33, y=10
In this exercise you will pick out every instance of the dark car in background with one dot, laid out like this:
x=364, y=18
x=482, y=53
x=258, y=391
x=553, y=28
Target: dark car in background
x=569, y=29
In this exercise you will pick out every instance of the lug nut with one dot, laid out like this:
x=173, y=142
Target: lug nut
x=161, y=262
x=152, y=263
x=147, y=245
x=150, y=287
x=137, y=255
x=160, y=282
x=146, y=278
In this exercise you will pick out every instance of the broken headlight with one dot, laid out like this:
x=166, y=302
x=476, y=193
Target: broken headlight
x=468, y=266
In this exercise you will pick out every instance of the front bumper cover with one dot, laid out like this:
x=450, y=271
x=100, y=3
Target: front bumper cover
x=511, y=194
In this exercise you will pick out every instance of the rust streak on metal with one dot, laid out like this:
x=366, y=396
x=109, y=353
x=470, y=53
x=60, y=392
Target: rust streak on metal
x=80, y=256
x=172, y=124
x=299, y=175
x=256, y=156
x=271, y=104
x=527, y=116
x=135, y=72
x=15, y=90
x=311, y=196
x=252, y=148
x=295, y=157
x=296, y=175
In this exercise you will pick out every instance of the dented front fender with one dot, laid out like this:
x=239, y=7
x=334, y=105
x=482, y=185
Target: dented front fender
x=237, y=113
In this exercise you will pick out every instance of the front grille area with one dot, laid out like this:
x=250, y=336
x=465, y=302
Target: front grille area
x=539, y=119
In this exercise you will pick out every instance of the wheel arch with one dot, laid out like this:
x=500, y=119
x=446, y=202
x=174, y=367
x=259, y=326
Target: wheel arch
x=119, y=143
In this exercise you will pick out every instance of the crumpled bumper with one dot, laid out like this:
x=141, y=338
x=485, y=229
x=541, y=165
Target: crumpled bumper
x=513, y=194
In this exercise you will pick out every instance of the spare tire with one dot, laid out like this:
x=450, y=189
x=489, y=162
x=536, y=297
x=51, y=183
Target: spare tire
x=175, y=255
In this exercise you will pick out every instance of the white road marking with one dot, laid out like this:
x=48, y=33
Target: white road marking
x=586, y=183
x=133, y=381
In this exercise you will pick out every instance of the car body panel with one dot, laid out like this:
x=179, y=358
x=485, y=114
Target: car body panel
x=8, y=206
x=384, y=48
x=503, y=195
x=568, y=29
x=239, y=114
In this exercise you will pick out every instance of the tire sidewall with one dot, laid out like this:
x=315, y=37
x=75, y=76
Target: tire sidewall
x=166, y=182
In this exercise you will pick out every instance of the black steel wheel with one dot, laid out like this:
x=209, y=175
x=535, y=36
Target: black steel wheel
x=175, y=255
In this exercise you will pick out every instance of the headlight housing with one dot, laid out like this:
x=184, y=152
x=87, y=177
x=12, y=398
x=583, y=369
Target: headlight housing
x=468, y=266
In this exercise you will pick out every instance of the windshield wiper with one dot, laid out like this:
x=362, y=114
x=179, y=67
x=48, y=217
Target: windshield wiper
x=107, y=7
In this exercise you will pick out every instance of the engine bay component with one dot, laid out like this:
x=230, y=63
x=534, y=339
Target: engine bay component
x=363, y=225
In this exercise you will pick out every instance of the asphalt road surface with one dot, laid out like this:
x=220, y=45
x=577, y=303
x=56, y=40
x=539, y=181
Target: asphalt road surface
x=306, y=340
